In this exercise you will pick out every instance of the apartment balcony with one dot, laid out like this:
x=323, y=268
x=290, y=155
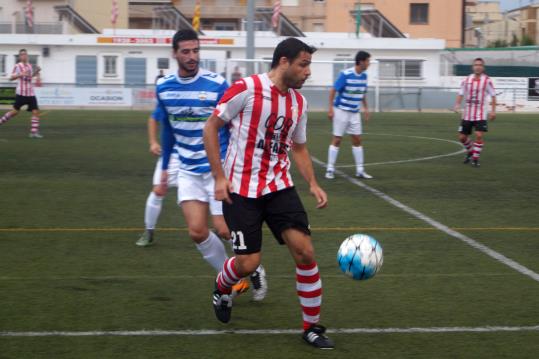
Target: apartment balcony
x=38, y=28
x=219, y=9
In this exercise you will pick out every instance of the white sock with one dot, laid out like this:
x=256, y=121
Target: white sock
x=153, y=209
x=213, y=251
x=358, y=157
x=333, y=152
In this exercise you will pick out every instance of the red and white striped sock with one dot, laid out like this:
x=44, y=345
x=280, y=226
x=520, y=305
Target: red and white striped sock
x=35, y=124
x=309, y=288
x=5, y=118
x=468, y=144
x=228, y=276
x=477, y=148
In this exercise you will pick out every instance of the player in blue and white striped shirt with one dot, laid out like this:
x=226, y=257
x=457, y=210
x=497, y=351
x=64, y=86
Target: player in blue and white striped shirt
x=344, y=111
x=189, y=98
x=154, y=203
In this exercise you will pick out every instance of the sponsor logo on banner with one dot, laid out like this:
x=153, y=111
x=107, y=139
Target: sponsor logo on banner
x=7, y=95
x=156, y=40
x=143, y=97
x=107, y=97
x=533, y=89
x=84, y=96
x=55, y=96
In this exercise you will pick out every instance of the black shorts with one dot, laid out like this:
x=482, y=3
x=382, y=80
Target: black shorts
x=280, y=210
x=21, y=101
x=467, y=126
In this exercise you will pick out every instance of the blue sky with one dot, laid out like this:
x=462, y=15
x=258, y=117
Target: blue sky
x=511, y=4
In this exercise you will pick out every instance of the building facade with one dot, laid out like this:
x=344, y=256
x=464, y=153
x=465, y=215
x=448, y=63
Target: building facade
x=132, y=59
x=488, y=25
x=441, y=19
x=61, y=16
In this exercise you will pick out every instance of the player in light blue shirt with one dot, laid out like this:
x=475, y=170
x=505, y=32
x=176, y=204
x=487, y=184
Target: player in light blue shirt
x=345, y=112
x=154, y=202
x=188, y=98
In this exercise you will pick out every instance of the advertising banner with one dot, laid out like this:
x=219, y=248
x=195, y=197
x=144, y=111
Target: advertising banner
x=84, y=96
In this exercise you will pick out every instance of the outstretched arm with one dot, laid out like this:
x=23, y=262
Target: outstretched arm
x=332, y=93
x=304, y=164
x=213, y=152
x=16, y=74
x=366, y=109
x=458, y=103
x=167, y=143
x=153, y=127
x=492, y=114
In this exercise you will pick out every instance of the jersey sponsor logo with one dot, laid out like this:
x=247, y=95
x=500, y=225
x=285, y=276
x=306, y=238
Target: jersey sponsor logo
x=272, y=142
x=210, y=75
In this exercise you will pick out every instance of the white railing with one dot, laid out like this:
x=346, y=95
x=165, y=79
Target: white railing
x=38, y=28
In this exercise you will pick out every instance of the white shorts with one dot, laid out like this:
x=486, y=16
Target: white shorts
x=173, y=169
x=346, y=122
x=198, y=187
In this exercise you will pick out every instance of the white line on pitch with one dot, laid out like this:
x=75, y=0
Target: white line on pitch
x=461, y=151
x=203, y=332
x=442, y=227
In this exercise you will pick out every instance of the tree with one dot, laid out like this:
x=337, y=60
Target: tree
x=526, y=40
x=498, y=43
x=514, y=40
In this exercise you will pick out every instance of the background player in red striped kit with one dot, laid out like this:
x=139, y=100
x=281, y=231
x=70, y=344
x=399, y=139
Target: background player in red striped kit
x=476, y=90
x=23, y=73
x=267, y=118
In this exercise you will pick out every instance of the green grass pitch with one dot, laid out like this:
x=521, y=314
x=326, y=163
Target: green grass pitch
x=92, y=172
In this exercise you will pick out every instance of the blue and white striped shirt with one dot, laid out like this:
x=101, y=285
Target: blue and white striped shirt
x=351, y=88
x=187, y=104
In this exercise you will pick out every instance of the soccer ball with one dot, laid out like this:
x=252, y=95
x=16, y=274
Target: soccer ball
x=360, y=256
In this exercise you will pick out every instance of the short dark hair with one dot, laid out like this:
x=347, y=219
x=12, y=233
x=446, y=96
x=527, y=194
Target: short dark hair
x=290, y=48
x=183, y=35
x=362, y=56
x=22, y=50
x=479, y=59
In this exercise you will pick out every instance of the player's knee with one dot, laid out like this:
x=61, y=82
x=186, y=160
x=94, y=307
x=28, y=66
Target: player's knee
x=304, y=255
x=463, y=138
x=356, y=141
x=248, y=265
x=223, y=233
x=198, y=233
x=160, y=191
x=336, y=141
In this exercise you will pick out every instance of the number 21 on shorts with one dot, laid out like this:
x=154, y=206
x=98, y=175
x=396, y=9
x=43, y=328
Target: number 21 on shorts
x=238, y=240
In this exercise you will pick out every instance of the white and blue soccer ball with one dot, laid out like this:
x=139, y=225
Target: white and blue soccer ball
x=360, y=256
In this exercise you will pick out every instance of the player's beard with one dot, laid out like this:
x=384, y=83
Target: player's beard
x=479, y=72
x=294, y=83
x=188, y=67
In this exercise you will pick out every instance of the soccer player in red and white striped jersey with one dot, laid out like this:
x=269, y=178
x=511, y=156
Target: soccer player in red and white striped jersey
x=476, y=90
x=24, y=94
x=267, y=118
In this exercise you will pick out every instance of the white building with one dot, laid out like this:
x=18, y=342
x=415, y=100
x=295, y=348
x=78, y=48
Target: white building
x=132, y=58
x=135, y=56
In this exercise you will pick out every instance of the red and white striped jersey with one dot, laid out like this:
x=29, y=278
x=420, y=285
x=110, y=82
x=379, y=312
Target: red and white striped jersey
x=264, y=123
x=24, y=83
x=476, y=92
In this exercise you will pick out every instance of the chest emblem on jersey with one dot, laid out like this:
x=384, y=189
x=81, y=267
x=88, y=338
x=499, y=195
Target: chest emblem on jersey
x=202, y=95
